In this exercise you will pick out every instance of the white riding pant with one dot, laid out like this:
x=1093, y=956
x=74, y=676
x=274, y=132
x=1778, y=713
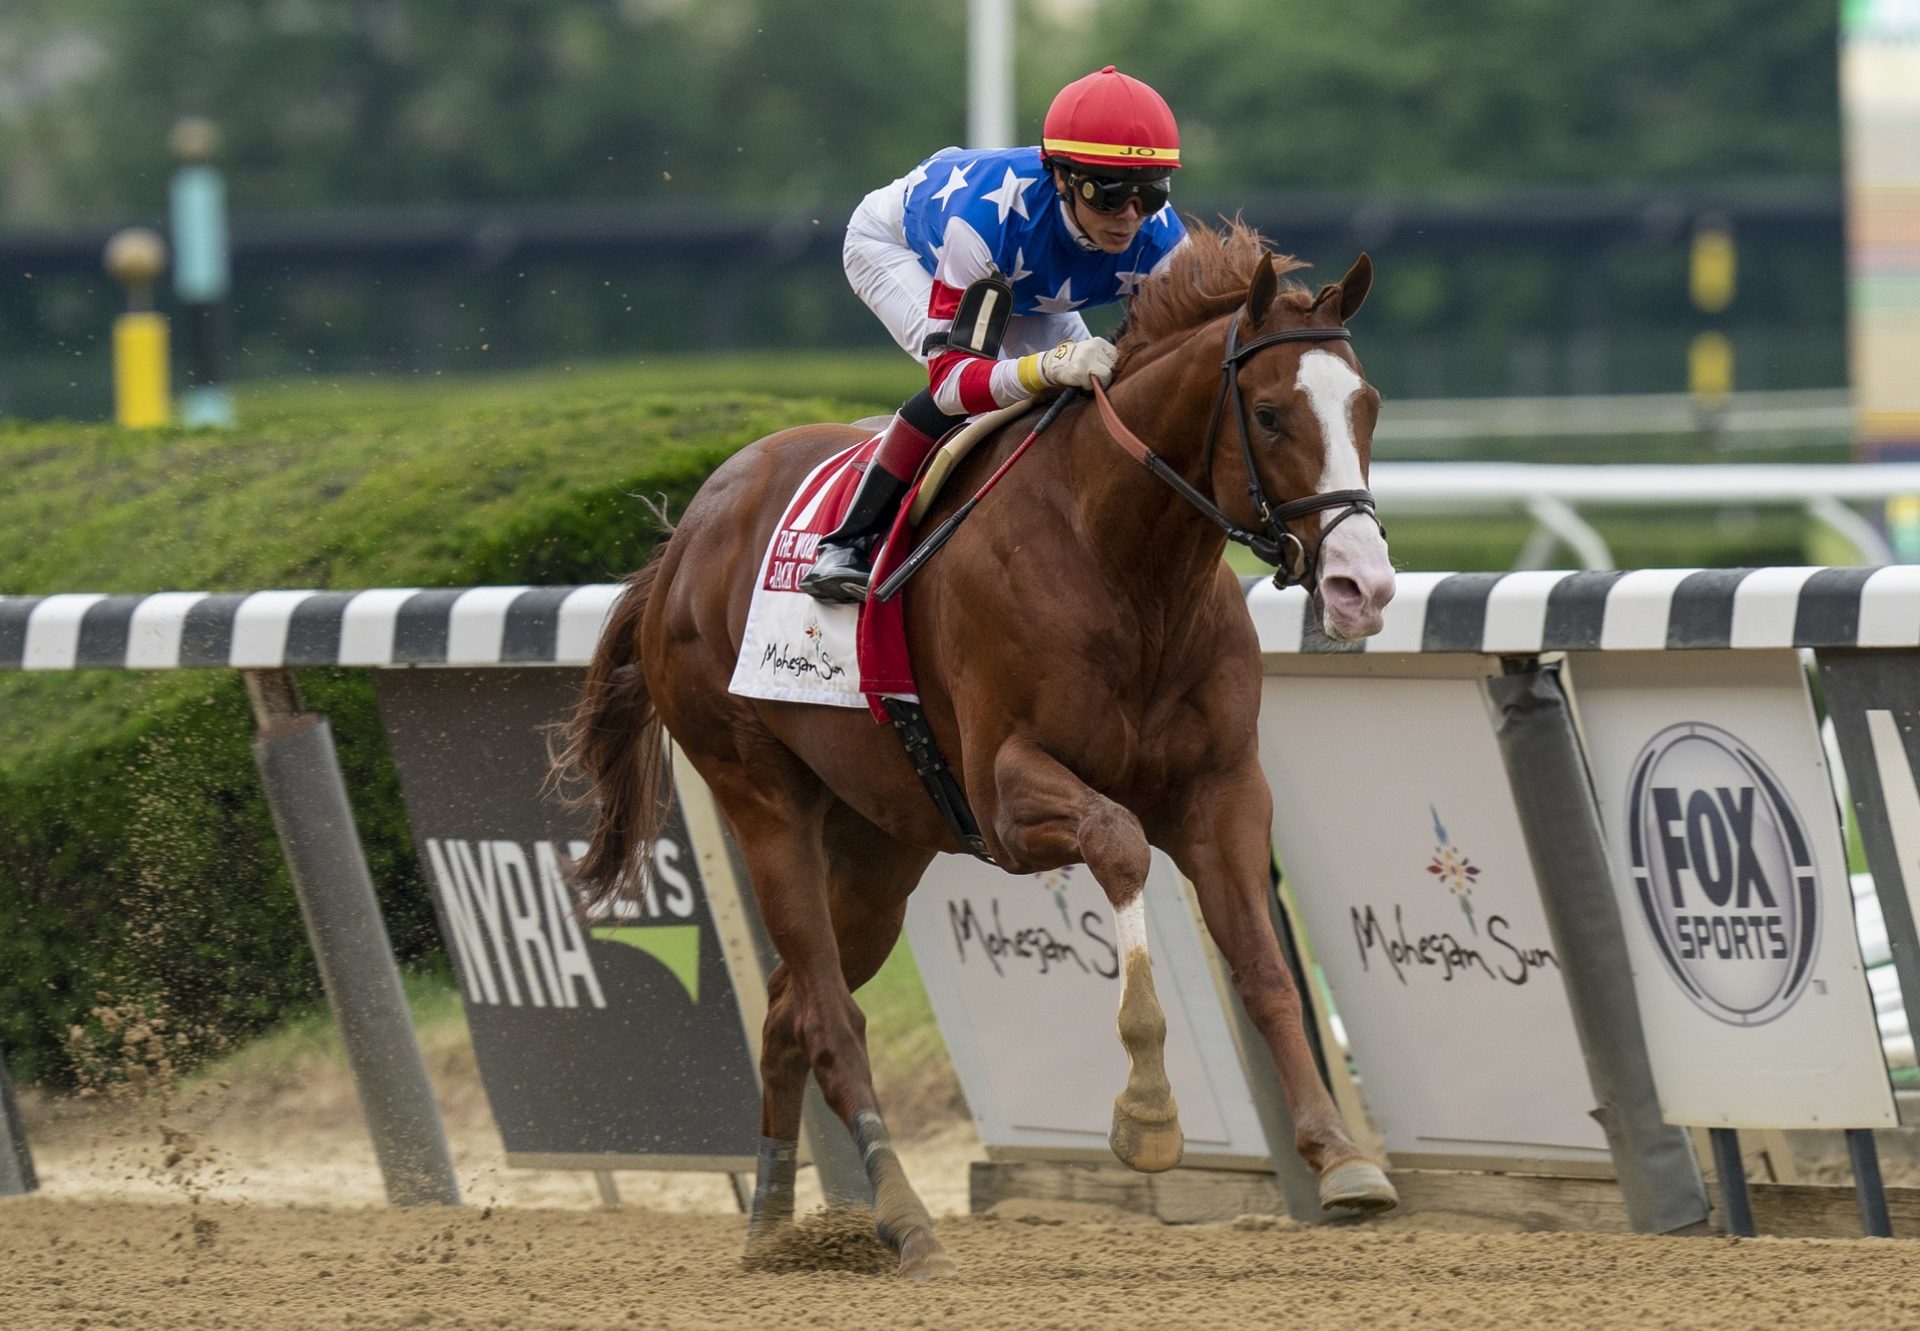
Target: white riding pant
x=886, y=274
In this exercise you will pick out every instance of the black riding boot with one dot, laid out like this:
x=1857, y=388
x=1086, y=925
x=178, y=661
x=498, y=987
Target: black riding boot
x=845, y=560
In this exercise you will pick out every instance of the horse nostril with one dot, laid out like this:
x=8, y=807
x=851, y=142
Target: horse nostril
x=1342, y=591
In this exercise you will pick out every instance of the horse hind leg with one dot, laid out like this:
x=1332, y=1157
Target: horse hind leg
x=869, y=878
x=783, y=1083
x=1049, y=816
x=829, y=944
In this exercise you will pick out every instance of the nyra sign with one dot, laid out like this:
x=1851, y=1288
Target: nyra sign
x=1724, y=873
x=615, y=1041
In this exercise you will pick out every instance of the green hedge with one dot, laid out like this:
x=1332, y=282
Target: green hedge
x=138, y=868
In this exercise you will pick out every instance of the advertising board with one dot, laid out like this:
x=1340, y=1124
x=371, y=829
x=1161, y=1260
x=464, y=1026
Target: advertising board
x=1732, y=879
x=1023, y=972
x=617, y=1045
x=1396, y=830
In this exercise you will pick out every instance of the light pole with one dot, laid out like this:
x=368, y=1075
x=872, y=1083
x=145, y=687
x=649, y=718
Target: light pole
x=990, y=74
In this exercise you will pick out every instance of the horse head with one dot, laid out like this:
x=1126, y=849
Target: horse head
x=1307, y=414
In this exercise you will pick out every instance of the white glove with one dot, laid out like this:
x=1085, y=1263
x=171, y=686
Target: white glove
x=1076, y=364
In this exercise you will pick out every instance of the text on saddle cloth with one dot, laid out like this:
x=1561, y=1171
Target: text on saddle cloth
x=797, y=649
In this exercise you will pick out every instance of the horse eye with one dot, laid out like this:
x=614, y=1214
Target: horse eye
x=1269, y=418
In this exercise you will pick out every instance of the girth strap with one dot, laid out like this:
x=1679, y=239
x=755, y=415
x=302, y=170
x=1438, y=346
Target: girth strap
x=910, y=724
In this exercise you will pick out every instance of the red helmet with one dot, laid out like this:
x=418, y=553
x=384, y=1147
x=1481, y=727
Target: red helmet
x=1111, y=120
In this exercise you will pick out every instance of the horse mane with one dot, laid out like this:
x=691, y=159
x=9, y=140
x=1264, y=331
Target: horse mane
x=1209, y=276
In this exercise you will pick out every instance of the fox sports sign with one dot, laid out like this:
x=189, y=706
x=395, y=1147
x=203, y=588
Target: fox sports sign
x=1723, y=869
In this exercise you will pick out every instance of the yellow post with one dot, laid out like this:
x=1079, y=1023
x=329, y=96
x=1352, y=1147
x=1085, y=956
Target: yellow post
x=1710, y=370
x=142, y=382
x=1711, y=274
x=1712, y=279
x=142, y=398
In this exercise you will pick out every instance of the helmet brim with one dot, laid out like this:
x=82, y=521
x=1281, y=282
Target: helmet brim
x=1113, y=168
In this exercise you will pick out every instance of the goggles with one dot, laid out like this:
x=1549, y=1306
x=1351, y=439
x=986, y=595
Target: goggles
x=1110, y=196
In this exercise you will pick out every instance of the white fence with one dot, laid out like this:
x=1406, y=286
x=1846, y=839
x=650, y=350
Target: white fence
x=1553, y=495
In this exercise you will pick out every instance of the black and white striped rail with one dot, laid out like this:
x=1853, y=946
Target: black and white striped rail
x=476, y=626
x=1499, y=613
x=1644, y=610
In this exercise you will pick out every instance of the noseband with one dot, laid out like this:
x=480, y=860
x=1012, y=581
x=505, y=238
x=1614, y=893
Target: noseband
x=1298, y=564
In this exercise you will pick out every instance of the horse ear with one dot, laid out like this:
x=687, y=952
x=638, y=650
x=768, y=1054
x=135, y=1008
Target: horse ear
x=1261, y=291
x=1354, y=287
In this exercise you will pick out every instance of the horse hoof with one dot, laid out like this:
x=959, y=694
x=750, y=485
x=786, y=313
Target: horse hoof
x=1357, y=1185
x=1151, y=1147
x=923, y=1259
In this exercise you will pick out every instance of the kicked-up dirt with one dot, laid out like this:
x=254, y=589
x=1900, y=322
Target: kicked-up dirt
x=73, y=1264
x=258, y=1206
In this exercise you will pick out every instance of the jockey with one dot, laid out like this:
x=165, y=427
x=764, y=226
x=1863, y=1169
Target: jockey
x=978, y=263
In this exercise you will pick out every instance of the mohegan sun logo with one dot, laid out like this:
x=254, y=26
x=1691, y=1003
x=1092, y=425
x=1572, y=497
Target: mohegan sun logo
x=1455, y=871
x=1057, y=881
x=811, y=658
x=1724, y=873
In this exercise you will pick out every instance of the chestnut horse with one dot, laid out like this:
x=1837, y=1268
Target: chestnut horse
x=1088, y=666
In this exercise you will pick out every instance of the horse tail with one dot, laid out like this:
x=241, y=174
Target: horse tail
x=614, y=744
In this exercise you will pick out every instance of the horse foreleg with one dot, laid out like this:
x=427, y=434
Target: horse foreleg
x=1047, y=816
x=1221, y=844
x=1146, y=1119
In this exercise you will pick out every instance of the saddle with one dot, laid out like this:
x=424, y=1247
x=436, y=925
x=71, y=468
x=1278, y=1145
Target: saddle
x=948, y=456
x=960, y=442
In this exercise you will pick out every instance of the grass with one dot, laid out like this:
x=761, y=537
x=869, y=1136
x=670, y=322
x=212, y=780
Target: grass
x=903, y=1040
x=386, y=484
x=377, y=484
x=880, y=379
x=309, y=1033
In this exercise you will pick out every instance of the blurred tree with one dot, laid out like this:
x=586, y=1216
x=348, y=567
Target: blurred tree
x=772, y=102
x=1288, y=94
x=331, y=102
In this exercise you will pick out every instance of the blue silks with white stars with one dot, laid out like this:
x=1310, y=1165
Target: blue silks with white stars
x=1006, y=199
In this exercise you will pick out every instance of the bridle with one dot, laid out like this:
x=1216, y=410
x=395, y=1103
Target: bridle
x=1297, y=564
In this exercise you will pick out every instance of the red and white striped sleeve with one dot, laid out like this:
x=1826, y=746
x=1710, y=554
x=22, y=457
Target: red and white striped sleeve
x=964, y=383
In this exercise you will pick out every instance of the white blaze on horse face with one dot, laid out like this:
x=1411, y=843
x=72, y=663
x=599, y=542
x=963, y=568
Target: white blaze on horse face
x=1356, y=579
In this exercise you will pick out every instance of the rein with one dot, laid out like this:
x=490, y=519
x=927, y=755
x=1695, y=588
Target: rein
x=1296, y=563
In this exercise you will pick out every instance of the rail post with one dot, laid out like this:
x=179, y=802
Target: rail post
x=1736, y=1203
x=1868, y=1187
x=1659, y=1178
x=16, y=1161
x=300, y=770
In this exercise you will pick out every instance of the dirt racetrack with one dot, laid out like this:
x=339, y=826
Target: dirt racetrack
x=256, y=1206
x=119, y=1264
